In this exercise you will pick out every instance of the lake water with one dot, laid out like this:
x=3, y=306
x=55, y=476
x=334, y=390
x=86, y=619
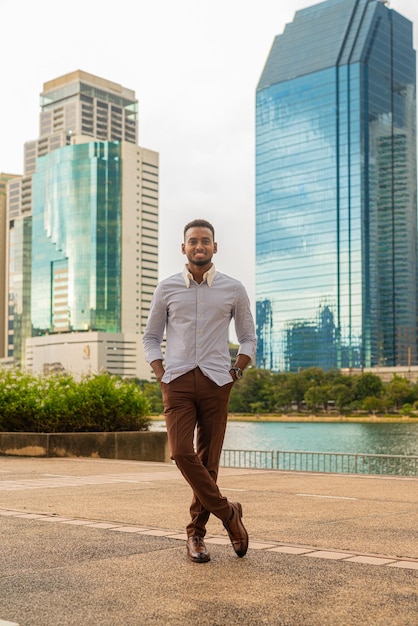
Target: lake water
x=365, y=438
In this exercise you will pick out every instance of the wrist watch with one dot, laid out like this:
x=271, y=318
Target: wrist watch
x=238, y=372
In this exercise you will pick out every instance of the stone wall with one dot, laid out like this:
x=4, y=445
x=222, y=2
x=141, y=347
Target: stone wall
x=132, y=446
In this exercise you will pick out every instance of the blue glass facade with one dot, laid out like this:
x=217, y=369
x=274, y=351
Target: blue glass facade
x=76, y=224
x=336, y=205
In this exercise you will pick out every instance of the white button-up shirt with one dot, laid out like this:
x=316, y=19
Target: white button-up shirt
x=196, y=319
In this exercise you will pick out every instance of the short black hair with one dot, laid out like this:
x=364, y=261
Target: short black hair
x=199, y=223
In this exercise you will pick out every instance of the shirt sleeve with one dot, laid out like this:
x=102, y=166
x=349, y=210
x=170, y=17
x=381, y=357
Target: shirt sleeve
x=154, y=330
x=244, y=324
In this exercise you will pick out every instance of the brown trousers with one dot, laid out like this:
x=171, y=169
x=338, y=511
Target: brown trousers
x=195, y=404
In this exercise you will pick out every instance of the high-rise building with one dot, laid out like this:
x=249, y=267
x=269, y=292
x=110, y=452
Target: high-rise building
x=336, y=191
x=83, y=218
x=4, y=179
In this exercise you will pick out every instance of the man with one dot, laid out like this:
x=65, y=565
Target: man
x=195, y=308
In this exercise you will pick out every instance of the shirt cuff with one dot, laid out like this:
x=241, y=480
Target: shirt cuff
x=153, y=355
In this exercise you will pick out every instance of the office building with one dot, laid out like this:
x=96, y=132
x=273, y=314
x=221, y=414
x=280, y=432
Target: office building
x=83, y=218
x=4, y=178
x=336, y=191
x=81, y=354
x=3, y=257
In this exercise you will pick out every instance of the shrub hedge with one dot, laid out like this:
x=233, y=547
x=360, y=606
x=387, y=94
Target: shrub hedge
x=58, y=404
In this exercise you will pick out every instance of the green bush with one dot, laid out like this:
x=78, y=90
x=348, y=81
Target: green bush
x=97, y=403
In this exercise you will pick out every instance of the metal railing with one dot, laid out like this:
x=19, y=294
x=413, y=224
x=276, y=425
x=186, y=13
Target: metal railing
x=326, y=462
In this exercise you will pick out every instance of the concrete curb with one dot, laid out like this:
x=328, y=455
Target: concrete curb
x=131, y=446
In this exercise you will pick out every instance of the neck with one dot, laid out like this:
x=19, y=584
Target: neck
x=197, y=271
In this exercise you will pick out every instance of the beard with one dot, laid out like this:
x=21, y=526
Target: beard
x=199, y=262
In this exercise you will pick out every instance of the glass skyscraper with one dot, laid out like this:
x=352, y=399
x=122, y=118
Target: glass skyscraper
x=76, y=224
x=83, y=219
x=336, y=191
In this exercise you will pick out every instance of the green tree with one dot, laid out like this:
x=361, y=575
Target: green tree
x=414, y=391
x=317, y=397
x=398, y=392
x=408, y=410
x=297, y=385
x=284, y=391
x=334, y=377
x=254, y=390
x=152, y=392
x=312, y=376
x=373, y=405
x=367, y=384
x=342, y=394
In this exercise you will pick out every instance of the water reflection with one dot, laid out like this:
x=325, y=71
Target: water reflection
x=319, y=437
x=365, y=438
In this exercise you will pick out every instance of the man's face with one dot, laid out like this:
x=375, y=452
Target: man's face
x=199, y=246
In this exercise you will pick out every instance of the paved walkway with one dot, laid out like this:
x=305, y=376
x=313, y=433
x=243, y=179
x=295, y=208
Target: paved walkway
x=101, y=542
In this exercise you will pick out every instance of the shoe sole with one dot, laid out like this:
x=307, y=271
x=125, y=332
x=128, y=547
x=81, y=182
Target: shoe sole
x=241, y=553
x=195, y=559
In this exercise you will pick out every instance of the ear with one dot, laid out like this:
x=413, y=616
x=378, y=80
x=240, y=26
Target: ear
x=183, y=249
x=215, y=248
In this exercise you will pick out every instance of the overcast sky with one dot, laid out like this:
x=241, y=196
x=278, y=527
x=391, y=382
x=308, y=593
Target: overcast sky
x=194, y=66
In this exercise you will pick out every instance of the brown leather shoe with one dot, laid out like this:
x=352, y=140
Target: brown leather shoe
x=236, y=530
x=196, y=550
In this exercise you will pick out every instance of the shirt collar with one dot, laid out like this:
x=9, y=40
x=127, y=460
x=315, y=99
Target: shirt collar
x=208, y=276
